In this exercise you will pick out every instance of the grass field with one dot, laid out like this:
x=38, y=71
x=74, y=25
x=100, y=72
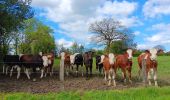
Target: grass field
x=128, y=94
x=141, y=93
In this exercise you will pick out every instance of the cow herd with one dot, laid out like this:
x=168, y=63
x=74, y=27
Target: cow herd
x=27, y=62
x=106, y=64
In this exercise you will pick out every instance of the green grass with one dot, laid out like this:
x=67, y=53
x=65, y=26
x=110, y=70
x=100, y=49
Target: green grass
x=163, y=66
x=150, y=93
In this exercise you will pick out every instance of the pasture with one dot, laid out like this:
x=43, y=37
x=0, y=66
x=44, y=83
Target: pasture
x=78, y=88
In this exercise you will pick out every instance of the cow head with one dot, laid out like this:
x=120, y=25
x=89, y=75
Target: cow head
x=45, y=61
x=129, y=52
x=111, y=58
x=72, y=59
x=153, y=53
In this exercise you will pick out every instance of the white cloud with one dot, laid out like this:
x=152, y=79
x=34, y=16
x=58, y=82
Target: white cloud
x=161, y=36
x=74, y=16
x=64, y=42
x=136, y=33
x=116, y=8
x=153, y=8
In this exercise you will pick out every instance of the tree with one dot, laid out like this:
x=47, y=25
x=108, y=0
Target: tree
x=12, y=15
x=76, y=48
x=38, y=38
x=107, y=31
x=160, y=47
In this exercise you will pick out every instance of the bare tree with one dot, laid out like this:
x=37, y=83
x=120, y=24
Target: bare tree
x=106, y=31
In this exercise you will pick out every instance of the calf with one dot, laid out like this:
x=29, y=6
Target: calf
x=88, y=62
x=49, y=68
x=99, y=66
x=12, y=61
x=77, y=59
x=34, y=62
x=109, y=68
x=67, y=63
x=148, y=61
x=124, y=62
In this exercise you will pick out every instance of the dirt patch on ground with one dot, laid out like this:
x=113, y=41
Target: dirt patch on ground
x=52, y=84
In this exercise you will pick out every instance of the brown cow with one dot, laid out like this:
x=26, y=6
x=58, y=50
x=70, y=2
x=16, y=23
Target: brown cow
x=124, y=62
x=49, y=68
x=109, y=69
x=67, y=63
x=148, y=60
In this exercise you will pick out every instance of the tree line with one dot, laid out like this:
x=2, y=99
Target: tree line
x=20, y=32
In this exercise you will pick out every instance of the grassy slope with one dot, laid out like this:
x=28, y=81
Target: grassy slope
x=151, y=93
x=163, y=67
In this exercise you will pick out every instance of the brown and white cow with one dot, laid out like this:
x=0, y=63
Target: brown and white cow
x=109, y=69
x=66, y=57
x=67, y=63
x=49, y=68
x=33, y=62
x=148, y=60
x=124, y=62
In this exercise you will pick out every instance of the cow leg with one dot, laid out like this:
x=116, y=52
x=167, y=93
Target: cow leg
x=129, y=75
x=45, y=71
x=124, y=74
x=87, y=71
x=109, y=77
x=105, y=75
x=18, y=72
x=155, y=77
x=11, y=71
x=51, y=71
x=67, y=70
x=27, y=73
x=35, y=74
x=77, y=70
x=3, y=69
x=91, y=70
x=82, y=70
x=113, y=77
x=42, y=73
x=149, y=77
x=7, y=70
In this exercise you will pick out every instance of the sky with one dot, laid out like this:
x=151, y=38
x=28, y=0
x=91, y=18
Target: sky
x=70, y=19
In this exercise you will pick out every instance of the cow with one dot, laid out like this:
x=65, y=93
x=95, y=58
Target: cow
x=88, y=62
x=49, y=68
x=67, y=63
x=99, y=66
x=77, y=59
x=34, y=62
x=11, y=61
x=124, y=62
x=148, y=61
x=109, y=68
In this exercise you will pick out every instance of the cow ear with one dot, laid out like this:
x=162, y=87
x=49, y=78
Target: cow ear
x=147, y=51
x=160, y=51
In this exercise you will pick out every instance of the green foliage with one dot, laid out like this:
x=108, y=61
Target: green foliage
x=13, y=13
x=118, y=47
x=76, y=48
x=38, y=38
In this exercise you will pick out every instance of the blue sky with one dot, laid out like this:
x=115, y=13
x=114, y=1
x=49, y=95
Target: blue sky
x=70, y=19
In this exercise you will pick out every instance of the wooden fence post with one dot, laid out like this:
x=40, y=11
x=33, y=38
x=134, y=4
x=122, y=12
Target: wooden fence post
x=62, y=67
x=144, y=71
